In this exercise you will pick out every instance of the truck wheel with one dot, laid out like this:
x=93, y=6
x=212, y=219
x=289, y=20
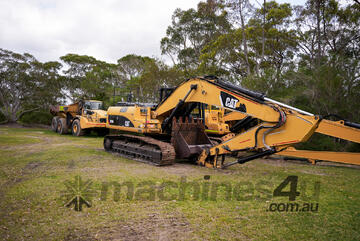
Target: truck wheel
x=54, y=123
x=76, y=128
x=62, y=128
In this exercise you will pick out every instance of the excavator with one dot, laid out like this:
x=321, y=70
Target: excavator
x=161, y=133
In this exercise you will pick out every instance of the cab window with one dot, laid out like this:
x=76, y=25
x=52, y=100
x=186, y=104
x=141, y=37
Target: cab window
x=93, y=105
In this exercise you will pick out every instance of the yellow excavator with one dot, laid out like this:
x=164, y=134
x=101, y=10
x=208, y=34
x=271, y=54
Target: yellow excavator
x=81, y=117
x=160, y=133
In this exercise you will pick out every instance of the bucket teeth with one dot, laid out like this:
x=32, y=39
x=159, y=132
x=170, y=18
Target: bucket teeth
x=188, y=137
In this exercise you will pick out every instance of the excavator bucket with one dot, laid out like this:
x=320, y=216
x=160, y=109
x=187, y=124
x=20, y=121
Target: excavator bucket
x=189, y=138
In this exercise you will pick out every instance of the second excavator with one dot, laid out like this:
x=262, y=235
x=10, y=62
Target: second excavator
x=161, y=133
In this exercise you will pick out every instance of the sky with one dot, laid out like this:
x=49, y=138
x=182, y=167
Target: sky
x=104, y=29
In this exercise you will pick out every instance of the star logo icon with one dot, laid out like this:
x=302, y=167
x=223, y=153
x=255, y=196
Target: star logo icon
x=78, y=193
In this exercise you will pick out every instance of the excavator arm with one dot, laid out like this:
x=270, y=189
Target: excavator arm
x=339, y=129
x=342, y=129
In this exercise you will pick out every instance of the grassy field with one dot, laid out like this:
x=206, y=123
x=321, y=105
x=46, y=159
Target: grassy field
x=36, y=163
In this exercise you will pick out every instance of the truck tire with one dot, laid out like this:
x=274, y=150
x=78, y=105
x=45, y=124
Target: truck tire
x=54, y=123
x=76, y=128
x=62, y=128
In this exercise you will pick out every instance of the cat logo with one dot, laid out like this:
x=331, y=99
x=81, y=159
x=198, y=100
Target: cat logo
x=127, y=123
x=231, y=102
x=228, y=100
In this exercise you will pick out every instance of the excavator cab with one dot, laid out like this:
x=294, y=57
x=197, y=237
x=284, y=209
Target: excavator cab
x=165, y=92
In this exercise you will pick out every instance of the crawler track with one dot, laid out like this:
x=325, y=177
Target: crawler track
x=141, y=148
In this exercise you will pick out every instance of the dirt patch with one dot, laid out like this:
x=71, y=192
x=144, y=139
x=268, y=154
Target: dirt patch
x=279, y=162
x=182, y=169
x=29, y=169
x=283, y=162
x=37, y=126
x=32, y=165
x=78, y=235
x=334, y=164
x=71, y=164
x=154, y=227
x=12, y=125
x=25, y=173
x=18, y=125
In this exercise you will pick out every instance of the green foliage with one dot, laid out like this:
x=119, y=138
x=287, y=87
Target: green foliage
x=87, y=77
x=323, y=143
x=143, y=76
x=191, y=30
x=37, y=117
x=27, y=84
x=2, y=117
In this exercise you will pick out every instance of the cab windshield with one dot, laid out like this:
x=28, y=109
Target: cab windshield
x=93, y=105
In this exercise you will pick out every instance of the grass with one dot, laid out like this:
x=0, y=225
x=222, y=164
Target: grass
x=35, y=163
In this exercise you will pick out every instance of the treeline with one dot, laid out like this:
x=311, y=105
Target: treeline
x=29, y=86
x=306, y=56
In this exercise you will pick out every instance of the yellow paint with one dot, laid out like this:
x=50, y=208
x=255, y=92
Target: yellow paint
x=139, y=116
x=339, y=130
x=312, y=156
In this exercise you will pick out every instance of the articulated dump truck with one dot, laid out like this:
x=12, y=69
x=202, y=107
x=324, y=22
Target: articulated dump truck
x=81, y=117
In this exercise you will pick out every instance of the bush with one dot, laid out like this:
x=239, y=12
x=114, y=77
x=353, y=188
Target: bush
x=37, y=117
x=2, y=117
x=319, y=142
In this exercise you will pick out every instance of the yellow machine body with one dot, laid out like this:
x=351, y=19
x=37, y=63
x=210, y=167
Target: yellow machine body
x=134, y=118
x=214, y=122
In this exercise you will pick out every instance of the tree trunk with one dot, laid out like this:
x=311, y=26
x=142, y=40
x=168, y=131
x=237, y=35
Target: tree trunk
x=318, y=31
x=244, y=38
x=263, y=34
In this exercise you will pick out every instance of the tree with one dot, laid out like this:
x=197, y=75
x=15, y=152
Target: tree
x=143, y=77
x=241, y=10
x=26, y=84
x=329, y=43
x=191, y=31
x=240, y=56
x=87, y=77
